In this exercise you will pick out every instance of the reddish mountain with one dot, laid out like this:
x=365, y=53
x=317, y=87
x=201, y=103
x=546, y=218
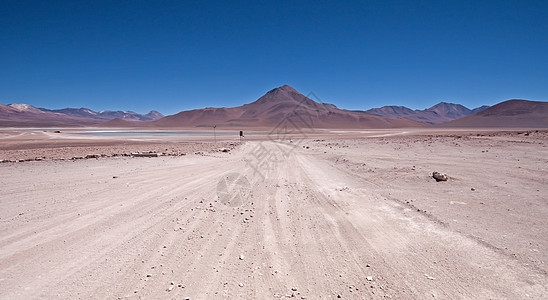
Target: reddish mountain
x=439, y=113
x=205, y=117
x=509, y=114
x=282, y=105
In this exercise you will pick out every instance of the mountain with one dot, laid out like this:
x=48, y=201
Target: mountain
x=106, y=114
x=439, y=113
x=24, y=115
x=514, y=113
x=282, y=107
x=478, y=109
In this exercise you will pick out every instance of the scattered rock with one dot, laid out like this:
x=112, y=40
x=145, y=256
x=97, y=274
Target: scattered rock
x=241, y=284
x=242, y=257
x=429, y=277
x=472, y=189
x=369, y=278
x=439, y=176
x=145, y=154
x=169, y=289
x=149, y=275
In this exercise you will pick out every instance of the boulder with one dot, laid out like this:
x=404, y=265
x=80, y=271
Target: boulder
x=439, y=176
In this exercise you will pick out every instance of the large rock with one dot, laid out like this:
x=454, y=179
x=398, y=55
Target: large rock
x=439, y=176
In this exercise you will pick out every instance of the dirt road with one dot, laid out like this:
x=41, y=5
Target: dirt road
x=267, y=220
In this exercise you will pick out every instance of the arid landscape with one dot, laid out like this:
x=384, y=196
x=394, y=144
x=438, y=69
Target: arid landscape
x=322, y=214
x=312, y=202
x=273, y=150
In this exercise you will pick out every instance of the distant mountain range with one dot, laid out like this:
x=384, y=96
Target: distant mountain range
x=439, y=113
x=284, y=107
x=27, y=115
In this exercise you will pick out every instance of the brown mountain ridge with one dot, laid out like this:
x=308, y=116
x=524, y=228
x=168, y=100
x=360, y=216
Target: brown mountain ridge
x=282, y=105
x=285, y=106
x=515, y=113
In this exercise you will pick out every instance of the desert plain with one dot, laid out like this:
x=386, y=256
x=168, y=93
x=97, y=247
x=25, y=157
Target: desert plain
x=305, y=215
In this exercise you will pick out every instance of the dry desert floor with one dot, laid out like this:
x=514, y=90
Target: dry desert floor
x=351, y=215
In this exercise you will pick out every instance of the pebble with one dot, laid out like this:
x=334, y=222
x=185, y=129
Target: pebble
x=149, y=275
x=242, y=257
x=169, y=289
x=241, y=284
x=369, y=278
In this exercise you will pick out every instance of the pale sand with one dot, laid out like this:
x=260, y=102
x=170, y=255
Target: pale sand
x=319, y=215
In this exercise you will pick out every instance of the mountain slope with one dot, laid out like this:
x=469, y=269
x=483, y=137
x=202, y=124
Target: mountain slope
x=510, y=114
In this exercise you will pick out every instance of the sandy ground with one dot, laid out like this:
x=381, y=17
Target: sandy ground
x=317, y=218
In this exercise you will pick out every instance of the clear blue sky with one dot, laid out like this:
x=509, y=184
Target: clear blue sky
x=178, y=55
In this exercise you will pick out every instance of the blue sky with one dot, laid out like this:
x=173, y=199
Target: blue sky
x=179, y=55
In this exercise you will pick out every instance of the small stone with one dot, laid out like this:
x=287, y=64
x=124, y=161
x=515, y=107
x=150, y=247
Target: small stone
x=472, y=189
x=172, y=283
x=169, y=289
x=439, y=176
x=242, y=257
x=369, y=278
x=294, y=289
x=241, y=284
x=149, y=275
